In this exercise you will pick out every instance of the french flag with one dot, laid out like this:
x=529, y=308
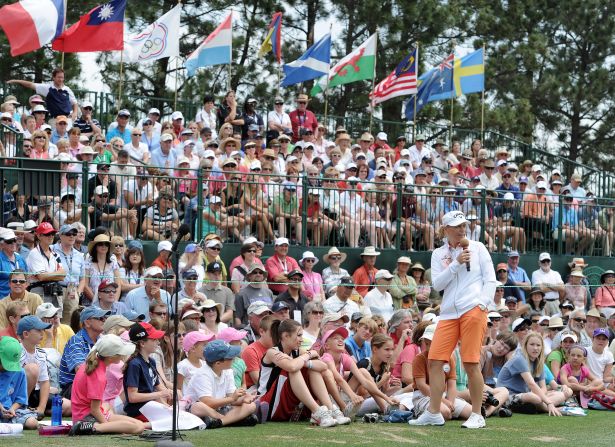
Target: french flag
x=215, y=50
x=101, y=29
x=30, y=24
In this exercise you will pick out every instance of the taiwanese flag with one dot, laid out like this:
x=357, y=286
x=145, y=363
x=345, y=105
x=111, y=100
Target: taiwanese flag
x=102, y=29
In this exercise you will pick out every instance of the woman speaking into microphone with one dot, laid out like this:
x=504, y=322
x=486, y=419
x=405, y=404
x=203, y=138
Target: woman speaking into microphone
x=464, y=271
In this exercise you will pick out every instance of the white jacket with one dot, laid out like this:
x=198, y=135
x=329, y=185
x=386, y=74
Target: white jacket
x=463, y=290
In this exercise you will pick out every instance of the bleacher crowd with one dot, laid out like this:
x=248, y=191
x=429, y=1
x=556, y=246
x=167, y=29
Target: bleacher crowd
x=84, y=315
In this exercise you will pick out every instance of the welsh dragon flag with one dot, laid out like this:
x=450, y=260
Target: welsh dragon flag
x=356, y=66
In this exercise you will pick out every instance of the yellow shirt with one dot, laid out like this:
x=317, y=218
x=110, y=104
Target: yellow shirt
x=32, y=300
x=63, y=334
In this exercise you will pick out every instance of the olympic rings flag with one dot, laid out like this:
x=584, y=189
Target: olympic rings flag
x=158, y=40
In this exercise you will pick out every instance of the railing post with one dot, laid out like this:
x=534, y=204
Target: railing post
x=199, y=206
x=85, y=193
x=483, y=212
x=560, y=220
x=304, y=200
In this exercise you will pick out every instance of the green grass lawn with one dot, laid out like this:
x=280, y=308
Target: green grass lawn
x=594, y=430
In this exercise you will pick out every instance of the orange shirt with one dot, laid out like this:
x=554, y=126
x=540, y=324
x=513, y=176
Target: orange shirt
x=365, y=276
x=535, y=206
x=420, y=369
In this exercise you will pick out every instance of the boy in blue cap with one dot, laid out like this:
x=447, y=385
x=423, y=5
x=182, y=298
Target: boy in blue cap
x=216, y=399
x=33, y=360
x=13, y=387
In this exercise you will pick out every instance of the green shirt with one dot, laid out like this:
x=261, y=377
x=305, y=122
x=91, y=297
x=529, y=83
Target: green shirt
x=239, y=369
x=207, y=227
x=104, y=158
x=289, y=207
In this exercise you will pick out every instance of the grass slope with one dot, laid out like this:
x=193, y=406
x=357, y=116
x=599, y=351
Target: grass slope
x=594, y=430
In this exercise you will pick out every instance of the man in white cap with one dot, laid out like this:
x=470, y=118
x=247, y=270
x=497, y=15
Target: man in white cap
x=255, y=313
x=164, y=156
x=139, y=299
x=365, y=276
x=550, y=282
x=255, y=290
x=379, y=300
x=466, y=276
x=340, y=302
x=86, y=123
x=154, y=116
x=279, y=265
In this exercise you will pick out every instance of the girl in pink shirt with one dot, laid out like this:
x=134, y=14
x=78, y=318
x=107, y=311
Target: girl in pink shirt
x=348, y=376
x=89, y=416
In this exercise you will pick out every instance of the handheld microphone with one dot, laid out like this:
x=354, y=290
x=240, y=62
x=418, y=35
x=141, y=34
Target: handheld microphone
x=464, y=244
x=182, y=231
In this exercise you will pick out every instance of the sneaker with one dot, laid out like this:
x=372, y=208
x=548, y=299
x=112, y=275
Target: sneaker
x=474, y=421
x=211, y=423
x=351, y=410
x=428, y=418
x=250, y=421
x=504, y=412
x=262, y=411
x=82, y=428
x=339, y=416
x=323, y=418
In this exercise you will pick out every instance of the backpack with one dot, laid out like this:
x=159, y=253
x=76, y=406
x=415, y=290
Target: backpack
x=601, y=401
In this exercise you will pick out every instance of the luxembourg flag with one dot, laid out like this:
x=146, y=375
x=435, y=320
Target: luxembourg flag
x=30, y=24
x=215, y=50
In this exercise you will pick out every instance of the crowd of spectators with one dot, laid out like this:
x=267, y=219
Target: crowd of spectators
x=284, y=174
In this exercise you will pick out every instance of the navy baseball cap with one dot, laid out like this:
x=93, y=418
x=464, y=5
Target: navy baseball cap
x=278, y=306
x=93, y=312
x=191, y=273
x=31, y=322
x=220, y=350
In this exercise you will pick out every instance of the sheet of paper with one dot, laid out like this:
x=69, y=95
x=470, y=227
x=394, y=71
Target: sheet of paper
x=161, y=417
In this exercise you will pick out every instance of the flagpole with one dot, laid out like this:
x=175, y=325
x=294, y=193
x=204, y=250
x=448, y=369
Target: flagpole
x=176, y=76
x=63, y=28
x=230, y=70
x=119, y=99
x=450, y=142
x=371, y=115
x=416, y=94
x=482, y=106
x=327, y=84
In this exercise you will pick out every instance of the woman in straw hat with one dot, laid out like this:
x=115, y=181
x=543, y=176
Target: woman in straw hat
x=331, y=275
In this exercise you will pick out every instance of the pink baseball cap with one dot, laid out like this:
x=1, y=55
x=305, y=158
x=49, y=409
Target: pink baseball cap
x=194, y=337
x=230, y=334
x=340, y=330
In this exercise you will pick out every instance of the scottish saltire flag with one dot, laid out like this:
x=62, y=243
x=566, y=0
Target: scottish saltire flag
x=401, y=82
x=30, y=24
x=469, y=73
x=101, y=29
x=273, y=40
x=158, y=40
x=314, y=63
x=215, y=50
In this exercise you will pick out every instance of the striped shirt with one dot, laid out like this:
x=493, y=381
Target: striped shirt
x=159, y=219
x=75, y=353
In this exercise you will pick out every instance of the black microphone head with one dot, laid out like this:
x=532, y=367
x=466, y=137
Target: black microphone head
x=183, y=230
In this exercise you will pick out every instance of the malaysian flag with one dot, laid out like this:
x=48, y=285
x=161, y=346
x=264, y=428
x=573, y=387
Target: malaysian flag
x=401, y=81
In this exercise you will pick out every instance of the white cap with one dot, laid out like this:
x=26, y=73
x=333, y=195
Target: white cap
x=177, y=115
x=255, y=165
x=494, y=314
x=570, y=335
x=213, y=243
x=518, y=322
x=429, y=332
x=404, y=152
x=164, y=245
x=6, y=115
x=509, y=196
x=209, y=154
x=383, y=274
x=382, y=136
x=87, y=104
x=453, y=219
x=556, y=172
x=182, y=160
x=430, y=316
x=109, y=345
x=100, y=189
x=351, y=165
x=536, y=168
x=544, y=318
x=46, y=310
x=153, y=110
x=166, y=137
x=39, y=108
x=214, y=199
x=360, y=155
x=291, y=159
x=543, y=256
x=501, y=162
x=7, y=234
x=281, y=241
x=541, y=185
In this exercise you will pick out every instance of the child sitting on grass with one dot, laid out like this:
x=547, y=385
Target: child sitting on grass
x=358, y=344
x=215, y=398
x=193, y=345
x=13, y=387
x=89, y=416
x=234, y=338
x=578, y=376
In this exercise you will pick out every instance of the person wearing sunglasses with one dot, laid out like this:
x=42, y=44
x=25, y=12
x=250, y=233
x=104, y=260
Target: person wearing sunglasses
x=332, y=275
x=86, y=122
x=577, y=323
x=10, y=260
x=302, y=118
x=550, y=282
x=18, y=293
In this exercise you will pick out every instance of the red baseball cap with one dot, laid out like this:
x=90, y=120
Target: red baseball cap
x=144, y=331
x=107, y=283
x=45, y=228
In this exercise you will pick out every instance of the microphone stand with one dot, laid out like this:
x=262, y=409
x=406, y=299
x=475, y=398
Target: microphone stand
x=174, y=441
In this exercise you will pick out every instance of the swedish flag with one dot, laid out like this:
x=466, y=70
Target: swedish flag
x=469, y=73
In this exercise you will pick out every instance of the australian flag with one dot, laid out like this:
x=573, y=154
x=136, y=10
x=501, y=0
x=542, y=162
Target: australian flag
x=436, y=85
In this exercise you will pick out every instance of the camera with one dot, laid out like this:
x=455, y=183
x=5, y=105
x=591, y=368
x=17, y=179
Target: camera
x=371, y=418
x=491, y=401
